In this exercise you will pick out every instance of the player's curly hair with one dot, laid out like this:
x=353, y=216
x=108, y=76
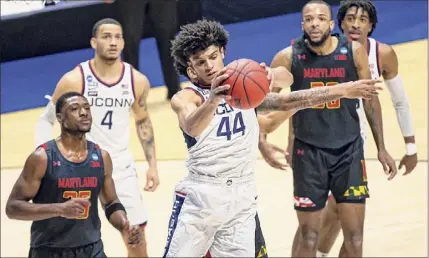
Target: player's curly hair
x=195, y=37
x=366, y=5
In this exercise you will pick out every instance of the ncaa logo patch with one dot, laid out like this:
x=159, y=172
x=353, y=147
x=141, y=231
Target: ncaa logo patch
x=343, y=50
x=94, y=156
x=89, y=78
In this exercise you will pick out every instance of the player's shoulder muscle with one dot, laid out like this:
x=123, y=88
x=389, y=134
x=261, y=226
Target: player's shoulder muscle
x=36, y=163
x=388, y=60
x=71, y=81
x=283, y=58
x=141, y=84
x=183, y=99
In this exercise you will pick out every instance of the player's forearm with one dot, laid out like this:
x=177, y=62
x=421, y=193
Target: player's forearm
x=375, y=120
x=271, y=121
x=196, y=122
x=301, y=99
x=117, y=219
x=147, y=140
x=23, y=210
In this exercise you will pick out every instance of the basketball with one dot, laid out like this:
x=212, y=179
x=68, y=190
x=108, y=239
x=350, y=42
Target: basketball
x=248, y=82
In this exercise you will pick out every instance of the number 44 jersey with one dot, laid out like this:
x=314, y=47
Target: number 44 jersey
x=228, y=147
x=110, y=108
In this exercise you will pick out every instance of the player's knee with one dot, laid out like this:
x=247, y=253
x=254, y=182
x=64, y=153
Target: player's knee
x=309, y=238
x=354, y=240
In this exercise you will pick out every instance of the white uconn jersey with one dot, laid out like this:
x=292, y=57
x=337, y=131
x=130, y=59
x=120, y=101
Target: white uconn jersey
x=228, y=147
x=374, y=67
x=110, y=108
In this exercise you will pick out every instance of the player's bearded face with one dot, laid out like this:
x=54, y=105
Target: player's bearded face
x=356, y=24
x=317, y=24
x=205, y=65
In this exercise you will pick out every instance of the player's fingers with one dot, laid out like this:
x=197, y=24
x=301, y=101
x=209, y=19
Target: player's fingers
x=393, y=172
x=219, y=79
x=222, y=88
x=83, y=201
x=276, y=148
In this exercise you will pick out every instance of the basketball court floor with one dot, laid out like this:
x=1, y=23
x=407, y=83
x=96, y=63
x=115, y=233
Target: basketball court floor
x=396, y=219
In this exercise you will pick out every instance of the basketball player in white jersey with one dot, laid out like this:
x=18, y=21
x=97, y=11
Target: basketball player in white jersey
x=214, y=207
x=113, y=88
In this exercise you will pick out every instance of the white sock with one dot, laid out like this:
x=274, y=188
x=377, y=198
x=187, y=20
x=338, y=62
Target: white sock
x=320, y=254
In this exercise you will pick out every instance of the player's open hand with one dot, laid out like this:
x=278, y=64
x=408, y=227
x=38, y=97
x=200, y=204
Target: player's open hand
x=365, y=89
x=409, y=162
x=279, y=77
x=152, y=180
x=388, y=164
x=75, y=207
x=269, y=151
x=131, y=233
x=219, y=90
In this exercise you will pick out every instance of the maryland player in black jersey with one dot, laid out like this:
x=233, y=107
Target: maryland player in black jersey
x=327, y=153
x=64, y=179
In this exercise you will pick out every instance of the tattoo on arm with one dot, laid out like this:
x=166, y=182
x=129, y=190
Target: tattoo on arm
x=299, y=99
x=145, y=132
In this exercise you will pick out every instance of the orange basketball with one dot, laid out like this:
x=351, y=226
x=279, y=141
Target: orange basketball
x=248, y=83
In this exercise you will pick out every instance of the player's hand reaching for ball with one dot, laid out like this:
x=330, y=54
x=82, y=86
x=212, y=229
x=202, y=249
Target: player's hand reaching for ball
x=74, y=207
x=279, y=77
x=219, y=90
x=131, y=233
x=361, y=89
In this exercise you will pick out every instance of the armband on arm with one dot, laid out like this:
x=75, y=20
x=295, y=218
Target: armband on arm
x=110, y=209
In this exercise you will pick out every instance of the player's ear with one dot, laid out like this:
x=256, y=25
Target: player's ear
x=92, y=42
x=331, y=25
x=191, y=73
x=222, y=52
x=302, y=26
x=59, y=118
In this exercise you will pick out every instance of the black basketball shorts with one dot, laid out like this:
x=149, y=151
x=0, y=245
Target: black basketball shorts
x=92, y=250
x=318, y=170
x=260, y=247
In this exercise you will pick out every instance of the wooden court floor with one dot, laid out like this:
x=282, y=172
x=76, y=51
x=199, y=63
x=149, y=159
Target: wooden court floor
x=396, y=219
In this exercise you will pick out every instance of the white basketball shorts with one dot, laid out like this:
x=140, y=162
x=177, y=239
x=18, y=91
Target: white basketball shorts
x=212, y=214
x=128, y=189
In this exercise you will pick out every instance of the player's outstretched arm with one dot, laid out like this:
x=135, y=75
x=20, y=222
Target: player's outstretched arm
x=143, y=123
x=26, y=187
x=303, y=99
x=71, y=81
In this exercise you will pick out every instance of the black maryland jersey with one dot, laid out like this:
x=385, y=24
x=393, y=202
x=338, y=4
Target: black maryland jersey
x=64, y=180
x=333, y=124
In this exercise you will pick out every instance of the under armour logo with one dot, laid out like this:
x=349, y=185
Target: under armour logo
x=300, y=152
x=301, y=57
x=56, y=163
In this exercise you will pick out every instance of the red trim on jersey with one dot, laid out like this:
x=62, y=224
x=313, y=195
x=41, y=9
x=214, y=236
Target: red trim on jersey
x=83, y=79
x=103, y=82
x=132, y=81
x=44, y=146
x=378, y=59
x=97, y=147
x=197, y=92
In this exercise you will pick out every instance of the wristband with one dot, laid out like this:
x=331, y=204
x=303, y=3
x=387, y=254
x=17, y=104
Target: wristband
x=114, y=207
